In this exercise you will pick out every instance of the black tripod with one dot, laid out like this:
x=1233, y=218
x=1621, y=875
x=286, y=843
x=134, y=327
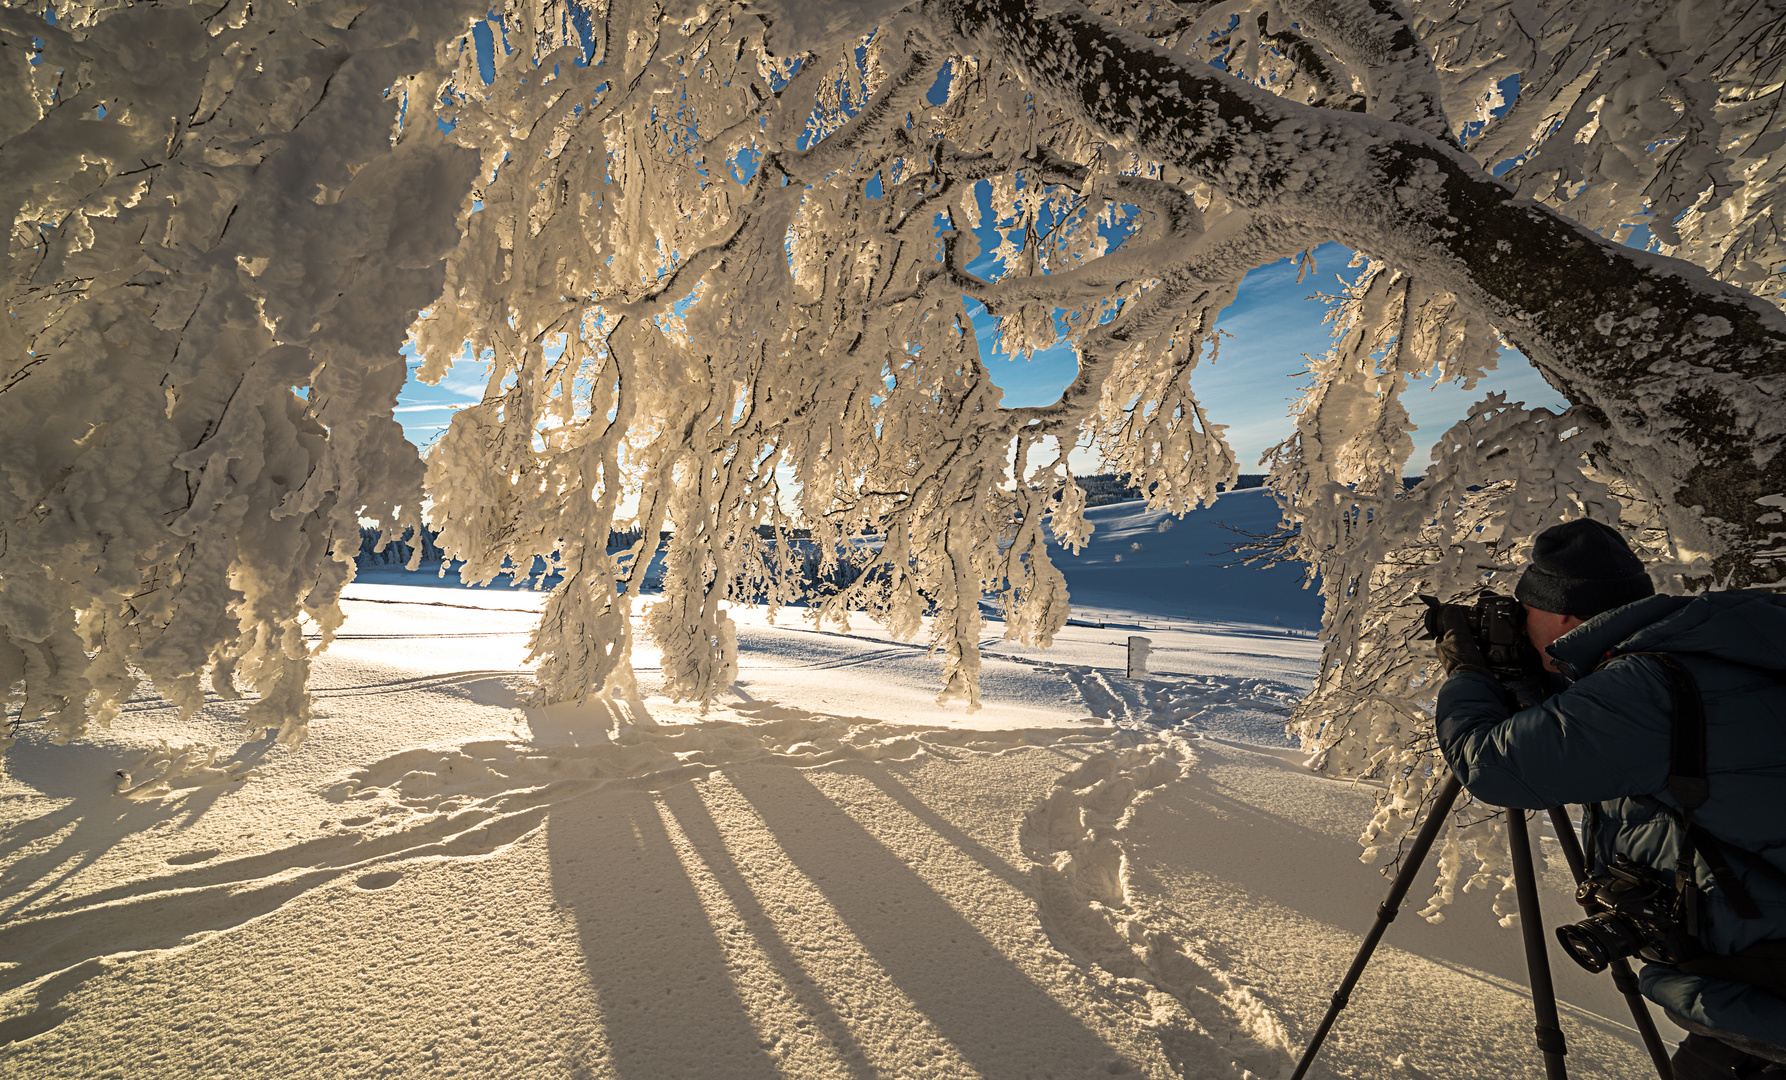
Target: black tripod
x=1548, y=1029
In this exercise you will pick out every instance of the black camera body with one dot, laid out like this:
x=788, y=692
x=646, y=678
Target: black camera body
x=1498, y=625
x=1635, y=917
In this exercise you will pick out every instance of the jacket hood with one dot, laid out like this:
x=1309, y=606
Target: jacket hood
x=1744, y=626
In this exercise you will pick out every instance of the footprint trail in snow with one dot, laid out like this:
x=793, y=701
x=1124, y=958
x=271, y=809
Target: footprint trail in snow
x=1172, y=701
x=1208, y=1021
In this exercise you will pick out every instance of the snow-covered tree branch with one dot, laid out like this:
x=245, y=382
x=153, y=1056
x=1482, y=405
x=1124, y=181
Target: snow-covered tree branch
x=724, y=262
x=1685, y=370
x=206, y=211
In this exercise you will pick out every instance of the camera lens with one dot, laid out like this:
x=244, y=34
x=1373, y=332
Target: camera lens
x=1598, y=941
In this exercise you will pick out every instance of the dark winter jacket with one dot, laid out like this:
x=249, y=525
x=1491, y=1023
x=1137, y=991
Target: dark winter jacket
x=1605, y=739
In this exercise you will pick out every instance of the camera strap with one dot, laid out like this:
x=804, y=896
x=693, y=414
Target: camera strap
x=1688, y=785
x=1710, y=848
x=1762, y=964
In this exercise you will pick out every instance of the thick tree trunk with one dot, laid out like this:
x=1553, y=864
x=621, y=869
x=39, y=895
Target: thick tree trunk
x=1689, y=373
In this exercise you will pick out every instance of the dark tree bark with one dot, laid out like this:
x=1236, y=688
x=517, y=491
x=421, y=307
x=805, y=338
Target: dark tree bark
x=1688, y=373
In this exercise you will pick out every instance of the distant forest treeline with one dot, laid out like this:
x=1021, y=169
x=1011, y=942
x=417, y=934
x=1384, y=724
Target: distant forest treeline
x=397, y=552
x=1102, y=489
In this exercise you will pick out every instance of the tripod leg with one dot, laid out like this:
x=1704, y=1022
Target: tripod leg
x=1549, y=1028
x=1622, y=976
x=1386, y=912
x=1571, y=845
x=1626, y=980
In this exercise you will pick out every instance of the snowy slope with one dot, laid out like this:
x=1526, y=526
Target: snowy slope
x=1148, y=563
x=1139, y=562
x=827, y=875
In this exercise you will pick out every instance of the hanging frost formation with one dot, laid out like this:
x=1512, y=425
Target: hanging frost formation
x=694, y=291
x=218, y=235
x=723, y=263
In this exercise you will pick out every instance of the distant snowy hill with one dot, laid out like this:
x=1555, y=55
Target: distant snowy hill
x=1139, y=562
x=1147, y=562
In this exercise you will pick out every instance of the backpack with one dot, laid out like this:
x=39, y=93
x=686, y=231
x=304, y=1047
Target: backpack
x=1762, y=964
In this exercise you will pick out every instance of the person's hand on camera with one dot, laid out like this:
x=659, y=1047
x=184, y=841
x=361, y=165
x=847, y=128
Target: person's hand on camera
x=1457, y=647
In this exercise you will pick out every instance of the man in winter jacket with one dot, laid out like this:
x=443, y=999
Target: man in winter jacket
x=1602, y=738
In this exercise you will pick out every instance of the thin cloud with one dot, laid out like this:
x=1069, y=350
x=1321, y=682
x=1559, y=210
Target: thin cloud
x=434, y=408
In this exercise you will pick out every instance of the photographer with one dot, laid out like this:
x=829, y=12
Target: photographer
x=1605, y=737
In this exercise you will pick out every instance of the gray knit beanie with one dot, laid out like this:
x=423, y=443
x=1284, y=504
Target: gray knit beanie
x=1582, y=568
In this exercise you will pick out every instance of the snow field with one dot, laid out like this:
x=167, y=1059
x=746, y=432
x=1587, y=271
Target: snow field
x=825, y=876
x=1254, y=861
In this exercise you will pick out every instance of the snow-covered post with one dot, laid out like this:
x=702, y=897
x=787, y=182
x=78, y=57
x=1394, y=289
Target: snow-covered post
x=1139, y=647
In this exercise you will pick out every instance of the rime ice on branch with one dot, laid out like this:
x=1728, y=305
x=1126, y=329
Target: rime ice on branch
x=221, y=223
x=723, y=257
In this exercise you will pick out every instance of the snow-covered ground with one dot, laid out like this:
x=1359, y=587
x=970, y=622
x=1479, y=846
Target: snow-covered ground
x=826, y=875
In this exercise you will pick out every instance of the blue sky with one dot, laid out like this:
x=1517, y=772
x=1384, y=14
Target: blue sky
x=424, y=411
x=1260, y=372
x=1250, y=387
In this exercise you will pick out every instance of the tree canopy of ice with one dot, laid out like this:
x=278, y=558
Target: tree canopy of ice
x=717, y=259
x=220, y=229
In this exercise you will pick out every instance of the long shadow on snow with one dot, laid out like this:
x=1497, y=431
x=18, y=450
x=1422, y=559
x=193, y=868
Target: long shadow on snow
x=993, y=863
x=971, y=994
x=648, y=946
x=334, y=852
x=1316, y=874
x=122, y=921
x=698, y=824
x=95, y=817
